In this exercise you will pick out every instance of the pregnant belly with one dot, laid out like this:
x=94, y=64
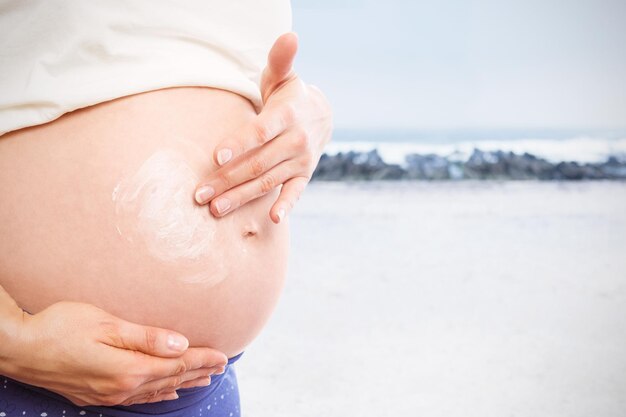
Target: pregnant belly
x=98, y=207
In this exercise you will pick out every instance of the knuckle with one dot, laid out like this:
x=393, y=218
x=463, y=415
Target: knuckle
x=175, y=381
x=262, y=132
x=105, y=387
x=79, y=402
x=181, y=368
x=257, y=166
x=306, y=164
x=109, y=329
x=150, y=337
x=152, y=395
x=113, y=399
x=301, y=141
x=288, y=115
x=125, y=384
x=224, y=179
x=268, y=183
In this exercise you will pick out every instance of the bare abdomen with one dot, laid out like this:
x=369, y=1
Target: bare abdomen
x=97, y=206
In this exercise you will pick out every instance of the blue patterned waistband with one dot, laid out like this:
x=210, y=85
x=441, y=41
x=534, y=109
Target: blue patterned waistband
x=187, y=398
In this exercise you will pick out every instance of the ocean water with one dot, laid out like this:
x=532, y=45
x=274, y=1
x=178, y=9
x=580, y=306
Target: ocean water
x=448, y=299
x=552, y=145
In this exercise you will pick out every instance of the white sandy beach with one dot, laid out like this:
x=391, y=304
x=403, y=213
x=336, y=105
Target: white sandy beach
x=448, y=299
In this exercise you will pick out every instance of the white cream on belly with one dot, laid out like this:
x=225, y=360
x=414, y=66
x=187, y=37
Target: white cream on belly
x=155, y=208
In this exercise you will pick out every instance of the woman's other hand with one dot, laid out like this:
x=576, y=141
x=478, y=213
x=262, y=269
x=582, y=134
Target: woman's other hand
x=93, y=358
x=282, y=146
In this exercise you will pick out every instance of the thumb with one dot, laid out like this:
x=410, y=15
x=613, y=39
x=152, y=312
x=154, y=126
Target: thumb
x=151, y=340
x=279, y=67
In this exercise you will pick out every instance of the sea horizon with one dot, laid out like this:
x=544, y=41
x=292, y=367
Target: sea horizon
x=585, y=145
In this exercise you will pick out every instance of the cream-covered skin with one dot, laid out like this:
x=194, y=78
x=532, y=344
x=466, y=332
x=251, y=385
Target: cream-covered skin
x=98, y=206
x=154, y=208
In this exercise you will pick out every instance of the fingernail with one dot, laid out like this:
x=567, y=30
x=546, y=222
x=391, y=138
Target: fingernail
x=222, y=205
x=170, y=397
x=217, y=370
x=281, y=214
x=177, y=343
x=224, y=156
x=204, y=193
x=204, y=382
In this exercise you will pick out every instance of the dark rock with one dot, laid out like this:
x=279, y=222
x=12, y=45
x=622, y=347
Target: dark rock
x=356, y=166
x=485, y=165
x=569, y=171
x=481, y=165
x=613, y=168
x=329, y=168
x=429, y=167
x=389, y=172
x=507, y=165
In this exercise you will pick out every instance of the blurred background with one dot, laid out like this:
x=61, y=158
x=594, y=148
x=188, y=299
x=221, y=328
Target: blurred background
x=461, y=250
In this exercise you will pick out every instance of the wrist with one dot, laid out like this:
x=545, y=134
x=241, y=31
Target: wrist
x=12, y=323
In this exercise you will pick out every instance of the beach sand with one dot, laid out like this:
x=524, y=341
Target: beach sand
x=448, y=299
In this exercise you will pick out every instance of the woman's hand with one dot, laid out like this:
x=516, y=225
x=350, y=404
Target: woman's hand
x=93, y=358
x=281, y=146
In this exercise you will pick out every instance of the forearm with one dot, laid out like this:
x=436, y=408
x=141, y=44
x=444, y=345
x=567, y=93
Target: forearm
x=10, y=318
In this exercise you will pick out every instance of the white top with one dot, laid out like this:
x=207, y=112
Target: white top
x=60, y=55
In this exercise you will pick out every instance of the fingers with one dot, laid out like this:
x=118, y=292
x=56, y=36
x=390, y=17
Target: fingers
x=165, y=388
x=151, y=397
x=279, y=64
x=249, y=166
x=259, y=172
x=281, y=56
x=174, y=382
x=168, y=396
x=289, y=194
x=154, y=390
x=270, y=123
x=253, y=189
x=146, y=339
x=193, y=358
x=200, y=382
x=273, y=120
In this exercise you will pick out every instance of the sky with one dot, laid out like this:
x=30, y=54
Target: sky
x=454, y=64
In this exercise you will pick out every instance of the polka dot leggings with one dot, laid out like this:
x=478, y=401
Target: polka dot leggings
x=220, y=399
